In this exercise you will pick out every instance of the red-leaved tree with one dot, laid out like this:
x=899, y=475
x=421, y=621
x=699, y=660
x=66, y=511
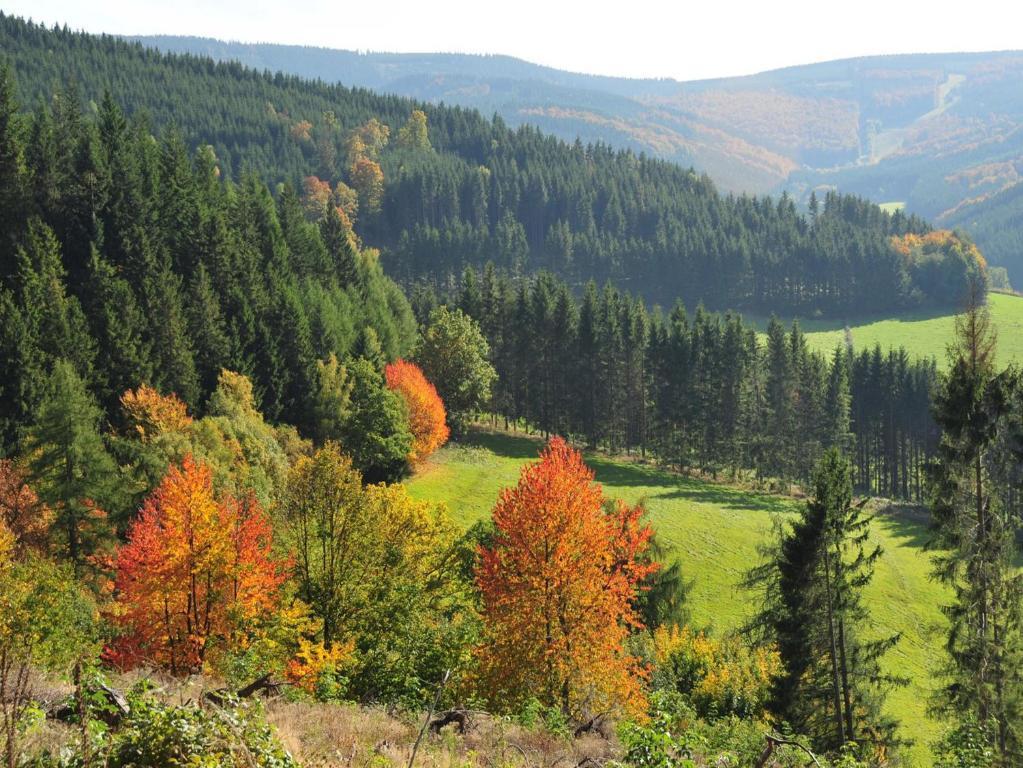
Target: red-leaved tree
x=426, y=415
x=559, y=586
x=194, y=570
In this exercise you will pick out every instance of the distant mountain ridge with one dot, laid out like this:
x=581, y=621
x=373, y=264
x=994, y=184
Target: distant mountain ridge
x=940, y=133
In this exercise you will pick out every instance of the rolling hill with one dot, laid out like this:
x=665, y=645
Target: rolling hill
x=715, y=531
x=940, y=133
x=472, y=190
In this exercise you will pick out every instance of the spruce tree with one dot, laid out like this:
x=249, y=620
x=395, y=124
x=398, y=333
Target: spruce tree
x=12, y=172
x=69, y=463
x=830, y=686
x=975, y=521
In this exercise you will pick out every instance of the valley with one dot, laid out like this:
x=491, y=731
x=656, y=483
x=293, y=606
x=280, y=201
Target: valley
x=716, y=532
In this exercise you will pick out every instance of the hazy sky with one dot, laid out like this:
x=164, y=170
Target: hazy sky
x=640, y=38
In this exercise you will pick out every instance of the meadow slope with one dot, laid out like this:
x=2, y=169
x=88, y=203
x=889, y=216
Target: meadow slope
x=716, y=531
x=924, y=333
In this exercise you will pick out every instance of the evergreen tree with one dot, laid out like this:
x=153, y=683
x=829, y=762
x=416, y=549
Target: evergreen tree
x=337, y=238
x=12, y=172
x=830, y=686
x=119, y=327
x=975, y=524
x=837, y=428
x=69, y=463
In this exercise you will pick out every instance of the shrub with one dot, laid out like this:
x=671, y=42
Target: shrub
x=718, y=676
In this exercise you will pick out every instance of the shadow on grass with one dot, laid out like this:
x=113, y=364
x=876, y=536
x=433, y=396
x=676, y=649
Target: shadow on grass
x=815, y=325
x=728, y=498
x=906, y=526
x=685, y=489
x=664, y=486
x=501, y=443
x=629, y=475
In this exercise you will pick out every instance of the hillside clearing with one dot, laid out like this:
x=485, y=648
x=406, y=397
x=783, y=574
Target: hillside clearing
x=924, y=333
x=716, y=531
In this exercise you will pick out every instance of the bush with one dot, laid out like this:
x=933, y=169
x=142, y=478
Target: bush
x=719, y=677
x=159, y=735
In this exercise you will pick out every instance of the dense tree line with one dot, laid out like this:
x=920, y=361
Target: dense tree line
x=126, y=255
x=696, y=389
x=473, y=190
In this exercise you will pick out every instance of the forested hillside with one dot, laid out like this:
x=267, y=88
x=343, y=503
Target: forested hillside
x=127, y=256
x=453, y=189
x=939, y=133
x=211, y=390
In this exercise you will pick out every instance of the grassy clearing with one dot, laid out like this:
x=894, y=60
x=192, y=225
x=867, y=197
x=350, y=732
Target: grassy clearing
x=716, y=532
x=924, y=333
x=893, y=206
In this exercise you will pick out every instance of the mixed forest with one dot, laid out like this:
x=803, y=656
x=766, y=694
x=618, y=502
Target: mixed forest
x=238, y=308
x=472, y=190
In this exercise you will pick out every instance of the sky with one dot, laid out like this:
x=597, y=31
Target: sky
x=682, y=39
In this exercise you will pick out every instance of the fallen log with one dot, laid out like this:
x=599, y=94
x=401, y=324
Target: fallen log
x=112, y=707
x=220, y=696
x=460, y=717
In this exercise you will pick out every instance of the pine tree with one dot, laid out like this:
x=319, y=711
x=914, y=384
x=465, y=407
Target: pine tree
x=207, y=329
x=837, y=427
x=12, y=171
x=975, y=524
x=118, y=325
x=779, y=398
x=337, y=238
x=69, y=463
x=831, y=686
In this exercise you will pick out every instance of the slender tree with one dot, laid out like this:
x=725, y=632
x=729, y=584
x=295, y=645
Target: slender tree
x=831, y=685
x=975, y=523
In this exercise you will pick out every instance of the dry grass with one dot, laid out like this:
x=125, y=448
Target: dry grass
x=348, y=736
x=340, y=735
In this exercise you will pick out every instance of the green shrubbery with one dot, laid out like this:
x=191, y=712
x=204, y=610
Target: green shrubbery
x=159, y=735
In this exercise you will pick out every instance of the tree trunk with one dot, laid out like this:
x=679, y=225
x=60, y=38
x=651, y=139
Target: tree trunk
x=835, y=686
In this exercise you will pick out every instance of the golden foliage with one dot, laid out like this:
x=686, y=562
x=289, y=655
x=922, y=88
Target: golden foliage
x=153, y=414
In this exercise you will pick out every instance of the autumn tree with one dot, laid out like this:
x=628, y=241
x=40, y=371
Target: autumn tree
x=315, y=197
x=22, y=513
x=374, y=566
x=152, y=414
x=425, y=408
x=367, y=140
x=559, y=588
x=47, y=625
x=414, y=134
x=346, y=200
x=194, y=569
x=368, y=180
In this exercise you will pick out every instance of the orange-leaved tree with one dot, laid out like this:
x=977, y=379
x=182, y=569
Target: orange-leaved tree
x=24, y=515
x=559, y=586
x=426, y=416
x=194, y=571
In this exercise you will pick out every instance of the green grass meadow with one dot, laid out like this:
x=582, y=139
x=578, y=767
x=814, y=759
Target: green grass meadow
x=715, y=531
x=923, y=333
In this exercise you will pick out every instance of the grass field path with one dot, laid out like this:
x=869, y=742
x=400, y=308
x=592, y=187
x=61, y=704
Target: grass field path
x=717, y=531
